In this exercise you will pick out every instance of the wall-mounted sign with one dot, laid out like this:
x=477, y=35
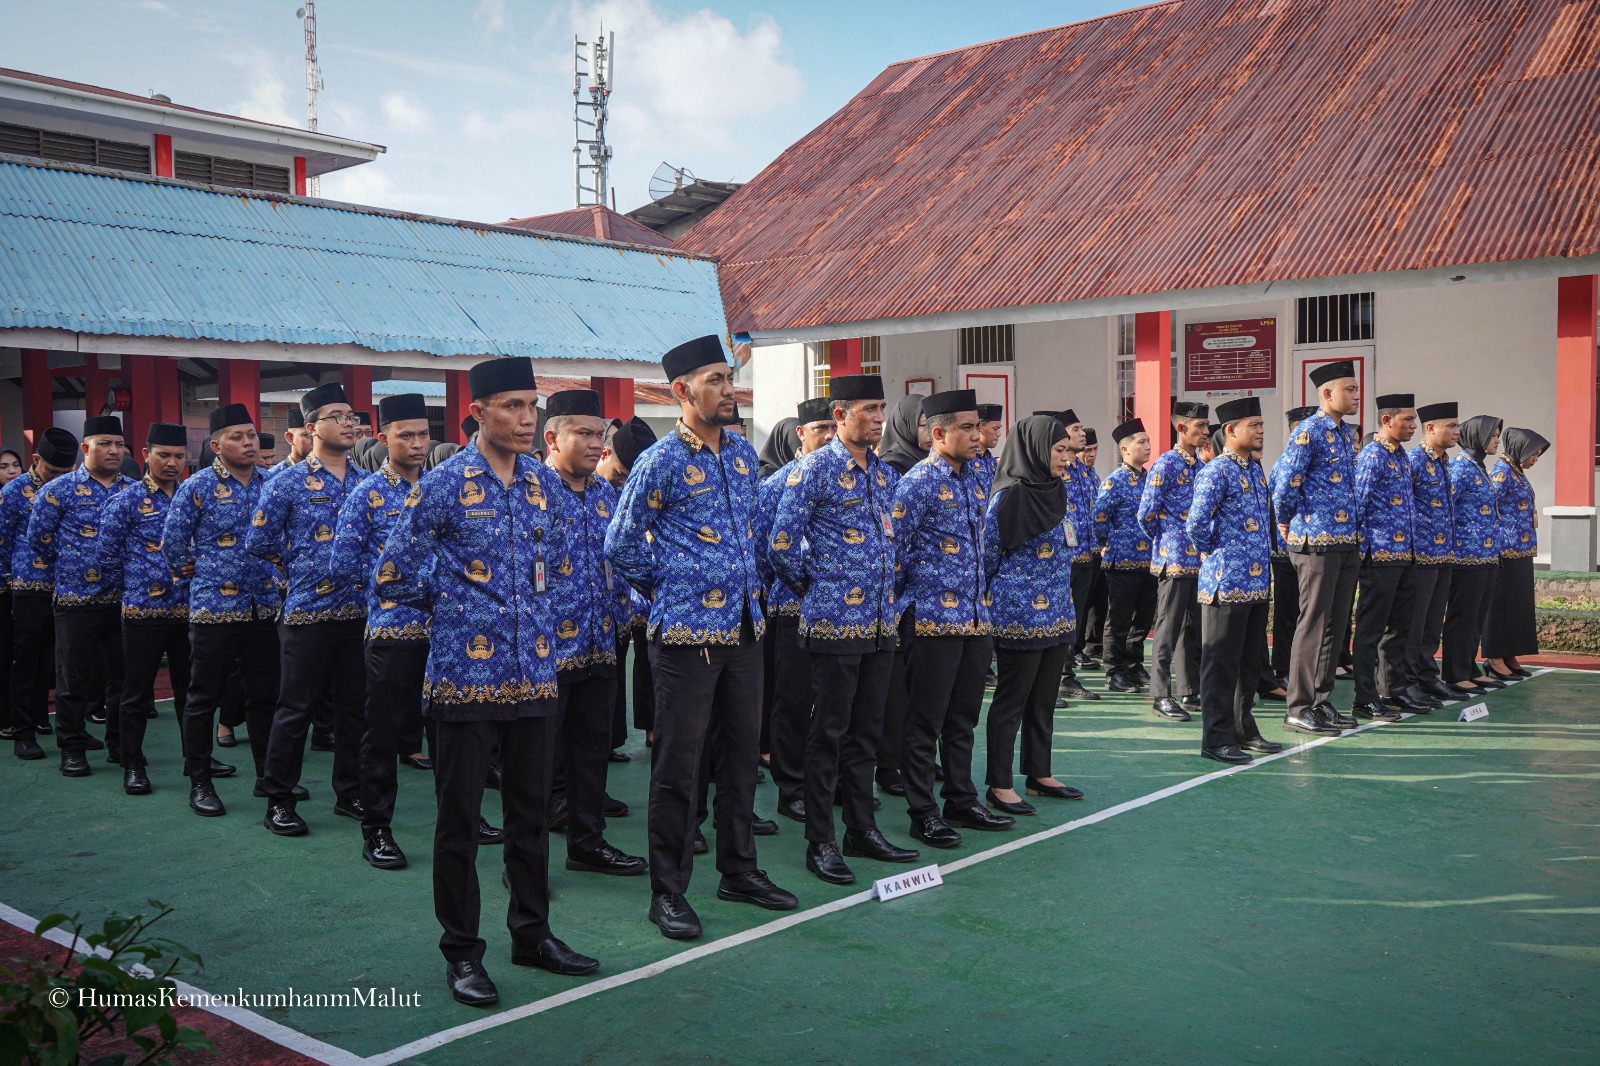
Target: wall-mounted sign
x=1230, y=356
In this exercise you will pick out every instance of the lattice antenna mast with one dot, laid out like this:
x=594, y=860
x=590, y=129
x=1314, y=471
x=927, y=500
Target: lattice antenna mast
x=591, y=97
x=308, y=18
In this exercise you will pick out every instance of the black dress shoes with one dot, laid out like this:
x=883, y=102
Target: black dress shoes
x=1310, y=723
x=700, y=845
x=871, y=844
x=606, y=859
x=222, y=769
x=1116, y=681
x=557, y=813
x=1261, y=745
x=298, y=792
x=380, y=850
x=73, y=764
x=282, y=820
x=551, y=954
x=1436, y=688
x=1141, y=675
x=1461, y=692
x=672, y=915
x=612, y=808
x=44, y=728
x=492, y=778
x=753, y=886
x=934, y=832
x=1073, y=689
x=1021, y=807
x=204, y=802
x=1375, y=712
x=417, y=762
x=93, y=743
x=619, y=756
x=1082, y=661
x=469, y=983
x=1190, y=703
x=978, y=817
x=1490, y=671
x=226, y=740
x=1230, y=754
x=793, y=808
x=113, y=756
x=97, y=717
x=1272, y=695
x=321, y=741
x=135, y=782
x=350, y=807
x=1483, y=682
x=889, y=781
x=28, y=748
x=490, y=834
x=825, y=861
x=1060, y=792
x=1331, y=714
x=1167, y=707
x=763, y=827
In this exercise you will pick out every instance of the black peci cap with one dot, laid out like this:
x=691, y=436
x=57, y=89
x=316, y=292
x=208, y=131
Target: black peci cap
x=1127, y=429
x=573, y=402
x=990, y=412
x=642, y=431
x=1187, y=409
x=1398, y=400
x=1297, y=415
x=1242, y=407
x=362, y=418
x=946, y=403
x=321, y=396
x=819, y=409
x=626, y=446
x=856, y=387
x=1090, y=437
x=402, y=407
x=692, y=355
x=502, y=374
x=166, y=435
x=57, y=447
x=1327, y=372
x=230, y=414
x=102, y=426
x=469, y=426
x=1439, y=412
x=296, y=419
x=266, y=442
x=1068, y=417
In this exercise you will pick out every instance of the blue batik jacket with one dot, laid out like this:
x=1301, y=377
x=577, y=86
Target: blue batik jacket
x=64, y=531
x=588, y=600
x=1083, y=485
x=939, y=517
x=833, y=539
x=1163, y=510
x=480, y=558
x=366, y=519
x=1388, y=513
x=1519, y=516
x=781, y=600
x=204, y=540
x=1316, y=493
x=1229, y=520
x=684, y=535
x=1030, y=587
x=1117, y=528
x=293, y=527
x=23, y=570
x=130, y=553
x=985, y=467
x=1474, y=514
x=1432, y=541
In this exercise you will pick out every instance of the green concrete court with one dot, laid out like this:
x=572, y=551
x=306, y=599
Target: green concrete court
x=1427, y=891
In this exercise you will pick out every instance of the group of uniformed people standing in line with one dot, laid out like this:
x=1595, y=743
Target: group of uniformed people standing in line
x=882, y=564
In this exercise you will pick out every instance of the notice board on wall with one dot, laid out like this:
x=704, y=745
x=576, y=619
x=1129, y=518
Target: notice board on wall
x=1227, y=356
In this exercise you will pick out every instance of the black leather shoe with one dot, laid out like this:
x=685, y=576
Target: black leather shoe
x=380, y=850
x=1061, y=792
x=1021, y=807
x=1072, y=689
x=417, y=762
x=672, y=915
x=298, y=792
x=889, y=781
x=1272, y=695
x=607, y=860
x=978, y=817
x=97, y=717
x=28, y=748
x=1518, y=669
x=558, y=814
x=222, y=769
x=763, y=827
x=204, y=802
x=283, y=821
x=1482, y=682
x=1261, y=746
x=1490, y=671
x=825, y=861
x=753, y=886
x=1082, y=661
x=1460, y=692
x=871, y=844
x=1332, y=714
x=492, y=778
x=1405, y=704
x=1141, y=675
x=1375, y=712
x=1436, y=688
x=700, y=845
x=619, y=756
x=489, y=834
x=226, y=740
x=934, y=832
x=74, y=764
x=44, y=729
x=113, y=756
x=1167, y=707
x=1116, y=681
x=1229, y=754
x=1190, y=703
x=612, y=808
x=551, y=954
x=1310, y=723
x=321, y=741
x=135, y=782
x=93, y=743
x=469, y=983
x=1415, y=696
x=793, y=808
x=350, y=807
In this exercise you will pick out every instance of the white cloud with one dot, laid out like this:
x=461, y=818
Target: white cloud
x=155, y=6
x=268, y=94
x=406, y=114
x=490, y=15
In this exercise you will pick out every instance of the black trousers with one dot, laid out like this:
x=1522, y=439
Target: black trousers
x=143, y=645
x=1177, y=637
x=465, y=750
x=842, y=741
x=1082, y=584
x=1327, y=587
x=1285, y=613
x=582, y=754
x=701, y=692
x=619, y=695
x=1025, y=698
x=1092, y=623
x=644, y=682
x=393, y=696
x=7, y=653
x=1383, y=627
x=898, y=702
x=1427, y=621
x=313, y=655
x=946, y=680
x=793, y=680
x=33, y=657
x=1471, y=588
x=1130, y=612
x=1233, y=636
x=88, y=663
x=232, y=711
x=215, y=649
x=769, y=671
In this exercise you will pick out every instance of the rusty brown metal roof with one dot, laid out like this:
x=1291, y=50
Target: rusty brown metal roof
x=1181, y=145
x=595, y=221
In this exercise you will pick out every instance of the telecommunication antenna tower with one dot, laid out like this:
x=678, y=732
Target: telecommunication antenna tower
x=308, y=18
x=591, y=95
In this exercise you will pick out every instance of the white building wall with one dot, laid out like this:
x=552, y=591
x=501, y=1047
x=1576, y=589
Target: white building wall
x=778, y=381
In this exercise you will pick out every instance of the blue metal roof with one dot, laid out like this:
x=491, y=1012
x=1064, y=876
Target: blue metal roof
x=104, y=254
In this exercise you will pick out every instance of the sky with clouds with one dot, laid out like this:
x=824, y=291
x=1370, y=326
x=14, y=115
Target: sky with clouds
x=473, y=98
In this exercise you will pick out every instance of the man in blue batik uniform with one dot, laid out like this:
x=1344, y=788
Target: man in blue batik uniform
x=1431, y=547
x=1229, y=523
x=64, y=531
x=1317, y=515
x=297, y=442
x=1083, y=485
x=476, y=547
x=1285, y=584
x=832, y=545
x=1125, y=560
x=991, y=423
x=1163, y=510
x=683, y=535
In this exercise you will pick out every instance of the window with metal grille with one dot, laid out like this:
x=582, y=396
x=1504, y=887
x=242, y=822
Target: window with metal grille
x=817, y=370
x=215, y=170
x=986, y=344
x=1327, y=319
x=72, y=148
x=1125, y=361
x=871, y=355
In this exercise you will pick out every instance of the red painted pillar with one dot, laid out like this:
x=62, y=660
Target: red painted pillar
x=357, y=381
x=1152, y=375
x=844, y=357
x=1576, y=310
x=457, y=394
x=616, y=396
x=38, y=412
x=239, y=381
x=163, y=155
x=139, y=376
x=96, y=383
x=299, y=175
x=169, y=398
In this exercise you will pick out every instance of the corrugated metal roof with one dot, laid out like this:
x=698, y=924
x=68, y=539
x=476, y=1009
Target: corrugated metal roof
x=1181, y=145
x=649, y=392
x=601, y=223
x=104, y=254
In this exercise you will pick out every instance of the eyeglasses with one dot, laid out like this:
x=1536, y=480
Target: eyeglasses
x=342, y=420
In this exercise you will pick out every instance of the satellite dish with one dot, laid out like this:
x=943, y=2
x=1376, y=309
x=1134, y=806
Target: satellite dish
x=668, y=179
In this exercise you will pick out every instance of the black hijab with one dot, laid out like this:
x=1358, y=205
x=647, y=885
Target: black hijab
x=1035, y=499
x=1476, y=433
x=899, y=445
x=781, y=446
x=1520, y=445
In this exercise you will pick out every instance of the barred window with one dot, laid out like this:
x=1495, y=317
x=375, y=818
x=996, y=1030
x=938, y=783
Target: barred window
x=871, y=355
x=979, y=345
x=817, y=370
x=1329, y=319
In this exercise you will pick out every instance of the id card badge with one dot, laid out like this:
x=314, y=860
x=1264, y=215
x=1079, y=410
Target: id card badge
x=888, y=525
x=605, y=565
x=1072, y=534
x=538, y=575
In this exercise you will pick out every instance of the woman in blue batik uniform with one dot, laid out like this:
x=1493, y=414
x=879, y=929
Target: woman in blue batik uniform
x=1475, y=521
x=1509, y=628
